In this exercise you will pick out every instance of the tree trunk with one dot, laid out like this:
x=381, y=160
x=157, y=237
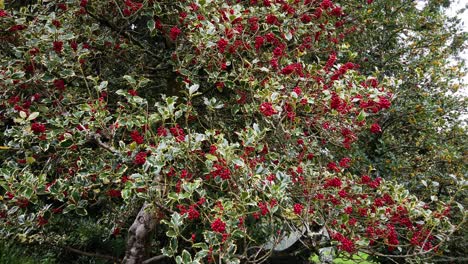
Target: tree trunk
x=138, y=236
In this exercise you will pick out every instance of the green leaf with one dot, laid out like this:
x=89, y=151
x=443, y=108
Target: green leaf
x=13, y=210
x=67, y=73
x=17, y=75
x=211, y=157
x=103, y=85
x=173, y=245
x=81, y=211
x=173, y=196
x=130, y=79
x=361, y=116
x=69, y=208
x=186, y=257
x=27, y=193
x=121, y=92
x=244, y=196
x=237, y=234
x=126, y=194
x=151, y=24
x=201, y=245
x=233, y=261
x=167, y=252
x=201, y=254
x=30, y=160
x=238, y=162
x=66, y=143
x=193, y=88
x=33, y=116
x=23, y=114
x=177, y=219
x=171, y=233
x=85, y=107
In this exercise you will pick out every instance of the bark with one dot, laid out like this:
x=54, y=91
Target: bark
x=139, y=236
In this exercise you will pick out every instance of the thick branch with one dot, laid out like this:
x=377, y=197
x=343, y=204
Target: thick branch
x=139, y=235
x=89, y=254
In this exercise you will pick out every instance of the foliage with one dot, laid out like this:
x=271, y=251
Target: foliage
x=11, y=253
x=423, y=137
x=238, y=122
x=358, y=258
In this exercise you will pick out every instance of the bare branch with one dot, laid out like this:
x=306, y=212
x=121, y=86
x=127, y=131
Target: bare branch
x=97, y=138
x=155, y=259
x=89, y=254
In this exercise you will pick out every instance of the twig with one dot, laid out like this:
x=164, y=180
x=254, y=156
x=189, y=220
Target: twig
x=120, y=32
x=97, y=137
x=161, y=206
